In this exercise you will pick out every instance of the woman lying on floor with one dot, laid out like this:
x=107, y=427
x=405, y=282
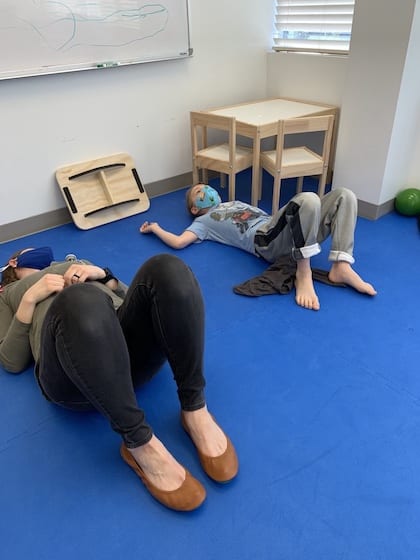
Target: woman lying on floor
x=93, y=339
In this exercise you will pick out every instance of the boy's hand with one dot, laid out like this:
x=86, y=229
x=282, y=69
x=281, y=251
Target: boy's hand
x=171, y=239
x=147, y=227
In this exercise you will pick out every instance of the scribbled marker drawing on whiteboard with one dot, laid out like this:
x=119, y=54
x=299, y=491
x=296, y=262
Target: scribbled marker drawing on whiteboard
x=63, y=26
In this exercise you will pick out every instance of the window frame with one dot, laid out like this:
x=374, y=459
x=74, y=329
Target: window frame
x=329, y=16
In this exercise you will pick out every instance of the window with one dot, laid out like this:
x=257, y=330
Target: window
x=313, y=25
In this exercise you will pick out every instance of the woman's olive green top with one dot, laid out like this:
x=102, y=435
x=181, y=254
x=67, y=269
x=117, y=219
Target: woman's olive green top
x=20, y=342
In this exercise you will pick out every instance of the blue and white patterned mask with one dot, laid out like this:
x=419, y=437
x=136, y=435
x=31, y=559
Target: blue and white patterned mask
x=207, y=198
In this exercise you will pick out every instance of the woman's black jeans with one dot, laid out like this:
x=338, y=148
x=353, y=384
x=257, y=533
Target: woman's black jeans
x=95, y=356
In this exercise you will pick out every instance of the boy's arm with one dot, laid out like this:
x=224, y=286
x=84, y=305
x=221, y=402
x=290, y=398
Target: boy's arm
x=171, y=239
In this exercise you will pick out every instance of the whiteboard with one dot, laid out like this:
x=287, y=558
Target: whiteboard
x=47, y=36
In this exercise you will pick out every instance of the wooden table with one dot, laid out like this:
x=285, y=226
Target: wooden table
x=258, y=119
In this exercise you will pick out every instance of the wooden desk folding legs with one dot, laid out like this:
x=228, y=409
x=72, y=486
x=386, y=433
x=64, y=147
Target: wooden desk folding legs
x=102, y=190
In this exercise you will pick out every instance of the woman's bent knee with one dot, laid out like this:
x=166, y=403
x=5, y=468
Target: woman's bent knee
x=80, y=297
x=167, y=272
x=163, y=264
x=82, y=304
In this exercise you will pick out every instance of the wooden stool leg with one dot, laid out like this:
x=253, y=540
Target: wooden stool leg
x=232, y=178
x=299, y=184
x=196, y=175
x=276, y=194
x=321, y=184
x=260, y=183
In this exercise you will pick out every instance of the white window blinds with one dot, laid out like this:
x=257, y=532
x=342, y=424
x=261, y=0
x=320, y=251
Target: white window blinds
x=311, y=25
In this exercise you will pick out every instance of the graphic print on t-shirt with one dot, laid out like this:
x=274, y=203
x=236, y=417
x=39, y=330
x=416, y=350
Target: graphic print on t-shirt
x=241, y=218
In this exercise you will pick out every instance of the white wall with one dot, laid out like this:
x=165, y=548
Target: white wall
x=309, y=77
x=371, y=133
x=403, y=163
x=50, y=121
x=413, y=178
x=377, y=88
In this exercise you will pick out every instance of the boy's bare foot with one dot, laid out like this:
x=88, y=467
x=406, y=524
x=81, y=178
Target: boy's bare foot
x=305, y=292
x=159, y=466
x=342, y=271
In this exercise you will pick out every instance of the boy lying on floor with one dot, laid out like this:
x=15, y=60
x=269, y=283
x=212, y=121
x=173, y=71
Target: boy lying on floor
x=297, y=229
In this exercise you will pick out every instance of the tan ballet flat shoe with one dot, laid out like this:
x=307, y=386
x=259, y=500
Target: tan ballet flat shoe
x=189, y=496
x=222, y=468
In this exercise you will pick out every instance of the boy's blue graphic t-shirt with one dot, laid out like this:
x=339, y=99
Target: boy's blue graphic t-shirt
x=232, y=223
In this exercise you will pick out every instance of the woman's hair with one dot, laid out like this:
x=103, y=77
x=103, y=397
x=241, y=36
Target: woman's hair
x=9, y=275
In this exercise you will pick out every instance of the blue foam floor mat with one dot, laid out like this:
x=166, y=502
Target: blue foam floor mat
x=323, y=409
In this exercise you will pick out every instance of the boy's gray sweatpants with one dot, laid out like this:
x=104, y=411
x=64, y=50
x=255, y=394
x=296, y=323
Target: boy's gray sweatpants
x=306, y=221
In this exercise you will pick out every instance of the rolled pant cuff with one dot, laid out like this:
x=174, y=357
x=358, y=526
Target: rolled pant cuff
x=306, y=252
x=336, y=256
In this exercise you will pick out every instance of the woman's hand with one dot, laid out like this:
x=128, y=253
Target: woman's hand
x=80, y=272
x=47, y=285
x=44, y=287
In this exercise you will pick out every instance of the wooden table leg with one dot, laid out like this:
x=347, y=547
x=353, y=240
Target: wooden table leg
x=255, y=187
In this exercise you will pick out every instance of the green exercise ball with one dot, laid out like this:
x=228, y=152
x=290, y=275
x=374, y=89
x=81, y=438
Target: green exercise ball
x=407, y=202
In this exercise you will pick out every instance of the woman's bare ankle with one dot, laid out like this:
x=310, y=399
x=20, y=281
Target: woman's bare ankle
x=159, y=465
x=207, y=435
